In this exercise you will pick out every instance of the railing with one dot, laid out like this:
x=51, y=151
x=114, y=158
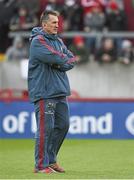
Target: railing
x=13, y=94
x=70, y=34
x=10, y=95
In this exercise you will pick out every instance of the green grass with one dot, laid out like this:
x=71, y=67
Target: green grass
x=82, y=159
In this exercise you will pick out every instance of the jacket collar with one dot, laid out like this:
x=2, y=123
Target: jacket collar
x=39, y=31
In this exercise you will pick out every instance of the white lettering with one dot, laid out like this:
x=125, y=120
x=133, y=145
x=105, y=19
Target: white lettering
x=75, y=125
x=22, y=121
x=33, y=123
x=130, y=123
x=91, y=124
x=10, y=124
x=78, y=124
x=89, y=120
x=105, y=124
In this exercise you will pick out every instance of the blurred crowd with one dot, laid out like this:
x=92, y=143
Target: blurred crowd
x=87, y=16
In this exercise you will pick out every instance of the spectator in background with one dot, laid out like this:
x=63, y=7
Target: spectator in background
x=107, y=52
x=88, y=4
x=73, y=15
x=126, y=54
x=17, y=51
x=80, y=50
x=31, y=5
x=23, y=20
x=51, y=5
x=7, y=8
x=116, y=19
x=76, y=23
x=94, y=21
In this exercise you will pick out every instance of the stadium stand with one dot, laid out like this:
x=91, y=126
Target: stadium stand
x=105, y=75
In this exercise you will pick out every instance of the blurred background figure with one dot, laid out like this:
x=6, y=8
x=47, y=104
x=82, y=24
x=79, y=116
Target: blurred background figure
x=32, y=6
x=23, y=20
x=116, y=20
x=73, y=15
x=126, y=54
x=17, y=51
x=94, y=21
x=87, y=5
x=7, y=8
x=80, y=50
x=107, y=52
x=52, y=5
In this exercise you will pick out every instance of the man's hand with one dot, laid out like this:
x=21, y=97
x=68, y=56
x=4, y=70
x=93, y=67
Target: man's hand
x=55, y=66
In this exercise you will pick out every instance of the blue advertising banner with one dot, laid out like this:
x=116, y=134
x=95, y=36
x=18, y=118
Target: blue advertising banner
x=111, y=120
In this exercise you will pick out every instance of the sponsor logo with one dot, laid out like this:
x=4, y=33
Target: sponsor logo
x=78, y=125
x=91, y=124
x=103, y=125
x=12, y=124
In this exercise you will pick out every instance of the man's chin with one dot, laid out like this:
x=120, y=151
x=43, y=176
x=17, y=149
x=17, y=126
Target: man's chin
x=54, y=33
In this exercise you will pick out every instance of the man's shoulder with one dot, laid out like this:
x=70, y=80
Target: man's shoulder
x=38, y=39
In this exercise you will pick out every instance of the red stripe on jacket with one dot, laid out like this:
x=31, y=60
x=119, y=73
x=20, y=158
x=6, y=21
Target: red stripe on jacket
x=71, y=60
x=42, y=136
x=51, y=49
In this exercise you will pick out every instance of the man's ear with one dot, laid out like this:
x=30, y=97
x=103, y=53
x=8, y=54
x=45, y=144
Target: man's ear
x=43, y=25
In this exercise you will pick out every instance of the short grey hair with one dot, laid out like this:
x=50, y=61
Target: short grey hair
x=45, y=15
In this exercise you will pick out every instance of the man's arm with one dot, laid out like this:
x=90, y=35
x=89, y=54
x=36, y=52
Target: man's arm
x=66, y=66
x=43, y=52
x=70, y=64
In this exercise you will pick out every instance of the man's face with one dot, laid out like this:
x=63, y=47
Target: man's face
x=51, y=26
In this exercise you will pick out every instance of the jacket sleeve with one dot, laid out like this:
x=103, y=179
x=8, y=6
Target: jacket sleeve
x=72, y=59
x=41, y=51
x=64, y=67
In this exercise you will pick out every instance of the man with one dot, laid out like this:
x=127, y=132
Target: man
x=48, y=87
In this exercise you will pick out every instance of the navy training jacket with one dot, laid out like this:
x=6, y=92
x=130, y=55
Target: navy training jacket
x=48, y=62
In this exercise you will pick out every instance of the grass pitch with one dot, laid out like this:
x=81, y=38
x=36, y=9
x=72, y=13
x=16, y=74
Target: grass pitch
x=82, y=159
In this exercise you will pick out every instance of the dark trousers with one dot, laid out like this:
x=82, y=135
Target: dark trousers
x=52, y=119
